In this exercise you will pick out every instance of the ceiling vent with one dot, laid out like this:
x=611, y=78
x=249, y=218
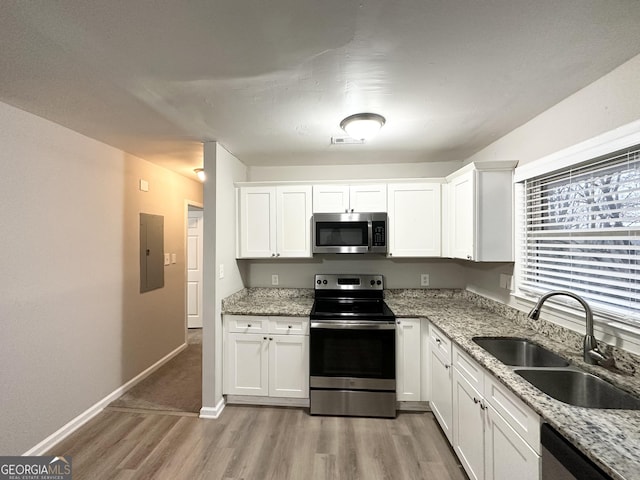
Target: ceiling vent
x=347, y=140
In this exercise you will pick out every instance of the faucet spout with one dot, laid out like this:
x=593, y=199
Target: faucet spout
x=591, y=352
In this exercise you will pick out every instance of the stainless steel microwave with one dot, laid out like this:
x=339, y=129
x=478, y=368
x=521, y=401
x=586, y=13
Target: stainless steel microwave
x=350, y=232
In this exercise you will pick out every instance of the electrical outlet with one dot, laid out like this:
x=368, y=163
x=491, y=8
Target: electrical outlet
x=275, y=280
x=221, y=271
x=424, y=280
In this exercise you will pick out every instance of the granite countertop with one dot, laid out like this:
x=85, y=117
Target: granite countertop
x=611, y=438
x=282, y=302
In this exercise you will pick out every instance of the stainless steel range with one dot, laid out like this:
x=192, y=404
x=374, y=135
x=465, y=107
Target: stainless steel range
x=353, y=348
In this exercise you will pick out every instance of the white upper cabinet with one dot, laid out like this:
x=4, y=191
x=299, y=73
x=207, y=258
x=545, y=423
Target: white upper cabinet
x=479, y=226
x=330, y=198
x=349, y=198
x=293, y=221
x=414, y=219
x=368, y=198
x=274, y=222
x=462, y=219
x=256, y=222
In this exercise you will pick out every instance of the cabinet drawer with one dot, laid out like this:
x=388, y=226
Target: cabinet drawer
x=440, y=344
x=289, y=325
x=246, y=324
x=517, y=414
x=468, y=368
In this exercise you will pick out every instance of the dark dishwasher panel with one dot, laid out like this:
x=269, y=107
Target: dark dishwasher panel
x=563, y=461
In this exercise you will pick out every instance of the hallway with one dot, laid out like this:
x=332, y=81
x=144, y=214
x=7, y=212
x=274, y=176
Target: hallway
x=175, y=388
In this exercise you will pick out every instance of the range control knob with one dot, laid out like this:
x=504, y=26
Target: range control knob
x=324, y=282
x=373, y=282
x=319, y=282
x=379, y=282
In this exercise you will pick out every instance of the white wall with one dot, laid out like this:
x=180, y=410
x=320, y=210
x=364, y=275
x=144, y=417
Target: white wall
x=74, y=325
x=606, y=104
x=223, y=170
x=370, y=171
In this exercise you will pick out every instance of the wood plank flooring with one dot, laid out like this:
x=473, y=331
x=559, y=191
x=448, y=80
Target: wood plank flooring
x=249, y=443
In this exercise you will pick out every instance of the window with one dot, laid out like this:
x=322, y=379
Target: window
x=580, y=231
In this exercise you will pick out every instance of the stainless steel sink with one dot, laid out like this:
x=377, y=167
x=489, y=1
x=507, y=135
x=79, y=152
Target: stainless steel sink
x=579, y=388
x=520, y=352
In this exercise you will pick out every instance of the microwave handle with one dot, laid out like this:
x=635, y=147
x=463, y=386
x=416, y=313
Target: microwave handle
x=370, y=235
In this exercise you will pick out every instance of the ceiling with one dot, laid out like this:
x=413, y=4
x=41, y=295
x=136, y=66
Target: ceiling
x=271, y=80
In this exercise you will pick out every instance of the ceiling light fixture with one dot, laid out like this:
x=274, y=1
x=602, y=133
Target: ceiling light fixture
x=362, y=126
x=200, y=173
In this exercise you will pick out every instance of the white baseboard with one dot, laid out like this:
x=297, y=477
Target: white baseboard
x=267, y=401
x=413, y=406
x=66, y=430
x=212, y=413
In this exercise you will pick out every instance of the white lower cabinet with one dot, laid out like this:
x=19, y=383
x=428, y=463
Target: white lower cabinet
x=489, y=445
x=468, y=426
x=440, y=374
x=506, y=452
x=289, y=366
x=272, y=363
x=246, y=364
x=408, y=359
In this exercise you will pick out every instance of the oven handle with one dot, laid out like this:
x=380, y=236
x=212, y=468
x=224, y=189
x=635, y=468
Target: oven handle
x=354, y=325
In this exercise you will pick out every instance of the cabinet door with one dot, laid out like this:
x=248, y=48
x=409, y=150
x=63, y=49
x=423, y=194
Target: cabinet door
x=414, y=219
x=506, y=452
x=257, y=222
x=293, y=220
x=330, y=198
x=246, y=369
x=468, y=426
x=462, y=210
x=441, y=391
x=288, y=366
x=368, y=198
x=408, y=354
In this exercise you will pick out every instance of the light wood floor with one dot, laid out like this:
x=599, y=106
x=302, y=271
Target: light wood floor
x=259, y=443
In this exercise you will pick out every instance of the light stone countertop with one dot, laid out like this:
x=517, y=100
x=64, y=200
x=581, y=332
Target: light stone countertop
x=611, y=438
x=282, y=302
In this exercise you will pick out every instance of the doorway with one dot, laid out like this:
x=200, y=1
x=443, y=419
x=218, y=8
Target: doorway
x=195, y=223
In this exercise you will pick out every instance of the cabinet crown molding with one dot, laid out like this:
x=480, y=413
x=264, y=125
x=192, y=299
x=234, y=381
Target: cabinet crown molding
x=493, y=166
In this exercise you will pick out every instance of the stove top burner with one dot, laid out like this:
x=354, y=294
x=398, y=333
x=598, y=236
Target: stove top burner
x=350, y=297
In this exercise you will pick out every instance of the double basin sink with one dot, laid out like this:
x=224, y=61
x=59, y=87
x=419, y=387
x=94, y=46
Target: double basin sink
x=553, y=375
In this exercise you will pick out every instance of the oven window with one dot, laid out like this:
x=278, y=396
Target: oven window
x=338, y=234
x=353, y=353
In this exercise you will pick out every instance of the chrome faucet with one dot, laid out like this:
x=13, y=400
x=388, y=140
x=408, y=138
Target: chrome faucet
x=591, y=353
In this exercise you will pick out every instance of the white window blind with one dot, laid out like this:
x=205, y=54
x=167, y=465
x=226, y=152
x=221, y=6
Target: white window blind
x=580, y=231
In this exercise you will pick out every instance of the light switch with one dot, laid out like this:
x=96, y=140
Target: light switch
x=167, y=259
x=144, y=185
x=221, y=271
x=174, y=258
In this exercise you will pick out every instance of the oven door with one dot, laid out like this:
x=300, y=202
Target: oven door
x=352, y=355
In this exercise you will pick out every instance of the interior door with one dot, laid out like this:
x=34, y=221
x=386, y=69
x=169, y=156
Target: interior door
x=194, y=269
